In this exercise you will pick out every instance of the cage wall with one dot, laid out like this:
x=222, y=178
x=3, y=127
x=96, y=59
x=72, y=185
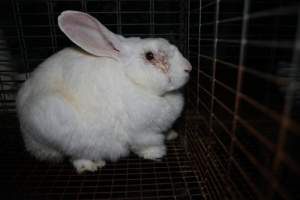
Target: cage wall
x=246, y=92
x=239, y=134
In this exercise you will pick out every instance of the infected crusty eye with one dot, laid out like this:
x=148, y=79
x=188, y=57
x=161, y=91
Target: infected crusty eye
x=149, y=55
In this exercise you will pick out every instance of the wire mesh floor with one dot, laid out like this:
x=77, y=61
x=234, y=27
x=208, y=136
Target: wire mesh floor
x=128, y=179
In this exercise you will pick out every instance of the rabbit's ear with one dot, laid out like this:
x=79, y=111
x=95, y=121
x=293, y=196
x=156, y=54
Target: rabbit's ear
x=89, y=34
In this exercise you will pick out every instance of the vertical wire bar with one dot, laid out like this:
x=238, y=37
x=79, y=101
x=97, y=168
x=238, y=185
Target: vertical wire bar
x=214, y=66
x=239, y=79
x=3, y=99
x=287, y=107
x=52, y=25
x=152, y=17
x=198, y=56
x=183, y=27
x=185, y=19
x=188, y=28
x=119, y=18
x=210, y=139
x=23, y=51
x=84, y=5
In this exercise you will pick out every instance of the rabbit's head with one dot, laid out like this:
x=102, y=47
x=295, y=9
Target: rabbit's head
x=153, y=64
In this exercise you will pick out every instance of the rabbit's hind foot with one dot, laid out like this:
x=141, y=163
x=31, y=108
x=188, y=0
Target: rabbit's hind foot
x=83, y=165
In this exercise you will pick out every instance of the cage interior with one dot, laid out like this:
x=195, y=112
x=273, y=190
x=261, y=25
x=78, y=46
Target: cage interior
x=239, y=133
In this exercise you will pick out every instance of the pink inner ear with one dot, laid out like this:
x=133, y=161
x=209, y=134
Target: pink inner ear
x=89, y=34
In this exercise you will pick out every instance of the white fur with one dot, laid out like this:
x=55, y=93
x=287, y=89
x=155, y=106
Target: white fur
x=99, y=108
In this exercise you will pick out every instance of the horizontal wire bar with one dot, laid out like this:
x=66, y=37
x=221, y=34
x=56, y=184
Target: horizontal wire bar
x=206, y=57
x=225, y=86
x=269, y=77
x=258, y=43
x=271, y=113
x=250, y=128
x=265, y=13
x=96, y=1
x=204, y=106
x=102, y=12
x=193, y=96
x=292, y=124
x=223, y=126
x=198, y=149
x=208, y=5
x=274, y=12
x=232, y=19
x=258, y=135
x=205, y=74
x=263, y=171
x=246, y=177
x=213, y=179
x=220, y=141
x=223, y=105
x=291, y=163
x=108, y=24
x=205, y=90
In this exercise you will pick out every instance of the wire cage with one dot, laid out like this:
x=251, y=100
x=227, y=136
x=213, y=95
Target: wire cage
x=239, y=133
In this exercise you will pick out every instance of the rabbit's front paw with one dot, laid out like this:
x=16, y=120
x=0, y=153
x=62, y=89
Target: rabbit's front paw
x=153, y=152
x=171, y=135
x=83, y=165
x=100, y=163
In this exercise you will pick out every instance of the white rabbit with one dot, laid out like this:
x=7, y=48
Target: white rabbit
x=97, y=103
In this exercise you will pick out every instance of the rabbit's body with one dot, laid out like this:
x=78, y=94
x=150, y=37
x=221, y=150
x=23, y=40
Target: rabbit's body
x=113, y=96
x=102, y=120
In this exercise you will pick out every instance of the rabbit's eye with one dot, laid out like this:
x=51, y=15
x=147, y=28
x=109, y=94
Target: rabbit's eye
x=149, y=56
